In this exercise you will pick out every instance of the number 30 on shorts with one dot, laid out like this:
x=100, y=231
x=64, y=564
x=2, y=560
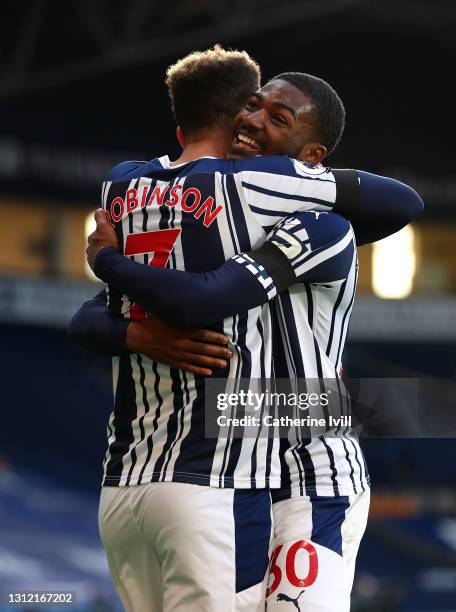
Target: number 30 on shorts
x=284, y=561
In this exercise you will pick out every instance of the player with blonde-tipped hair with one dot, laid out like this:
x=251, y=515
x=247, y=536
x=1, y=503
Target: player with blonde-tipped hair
x=185, y=519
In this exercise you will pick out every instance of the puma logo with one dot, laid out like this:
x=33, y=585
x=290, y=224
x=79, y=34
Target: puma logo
x=294, y=600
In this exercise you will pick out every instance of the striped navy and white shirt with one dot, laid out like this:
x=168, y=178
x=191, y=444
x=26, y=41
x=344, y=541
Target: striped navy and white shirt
x=195, y=217
x=310, y=323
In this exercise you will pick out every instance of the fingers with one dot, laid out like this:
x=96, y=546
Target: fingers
x=187, y=362
x=197, y=359
x=205, y=335
x=101, y=217
x=209, y=350
x=195, y=363
x=194, y=369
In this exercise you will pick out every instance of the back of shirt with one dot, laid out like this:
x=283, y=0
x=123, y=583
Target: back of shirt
x=194, y=217
x=310, y=322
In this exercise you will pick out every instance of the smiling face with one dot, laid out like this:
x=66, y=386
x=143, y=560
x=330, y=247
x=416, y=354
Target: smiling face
x=279, y=119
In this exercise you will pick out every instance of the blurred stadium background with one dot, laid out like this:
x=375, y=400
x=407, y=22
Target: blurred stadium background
x=81, y=88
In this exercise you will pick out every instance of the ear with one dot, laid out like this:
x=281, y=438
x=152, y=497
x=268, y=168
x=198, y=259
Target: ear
x=180, y=136
x=313, y=153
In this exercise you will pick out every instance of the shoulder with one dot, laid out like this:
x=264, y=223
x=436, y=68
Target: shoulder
x=277, y=164
x=318, y=227
x=328, y=221
x=132, y=169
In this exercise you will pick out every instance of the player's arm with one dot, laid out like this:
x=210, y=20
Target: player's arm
x=376, y=206
x=304, y=247
x=198, y=351
x=98, y=330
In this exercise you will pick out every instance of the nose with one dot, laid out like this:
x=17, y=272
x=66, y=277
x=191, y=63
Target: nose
x=255, y=119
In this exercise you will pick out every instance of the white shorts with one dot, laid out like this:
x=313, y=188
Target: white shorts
x=187, y=548
x=316, y=540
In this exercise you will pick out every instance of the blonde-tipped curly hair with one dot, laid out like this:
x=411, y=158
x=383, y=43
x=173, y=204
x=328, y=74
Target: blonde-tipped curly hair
x=208, y=88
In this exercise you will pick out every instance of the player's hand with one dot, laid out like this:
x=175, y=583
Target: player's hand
x=103, y=236
x=198, y=351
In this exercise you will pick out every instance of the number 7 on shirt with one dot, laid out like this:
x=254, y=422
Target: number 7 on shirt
x=159, y=243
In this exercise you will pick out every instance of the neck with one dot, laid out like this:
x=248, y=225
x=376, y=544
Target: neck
x=205, y=144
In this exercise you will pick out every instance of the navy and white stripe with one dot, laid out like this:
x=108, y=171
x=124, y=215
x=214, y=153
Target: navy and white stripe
x=157, y=429
x=259, y=272
x=311, y=321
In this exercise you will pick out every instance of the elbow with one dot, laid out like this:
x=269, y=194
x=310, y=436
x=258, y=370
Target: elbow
x=77, y=330
x=411, y=206
x=419, y=205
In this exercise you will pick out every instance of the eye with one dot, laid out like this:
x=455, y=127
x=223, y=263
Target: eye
x=279, y=120
x=252, y=104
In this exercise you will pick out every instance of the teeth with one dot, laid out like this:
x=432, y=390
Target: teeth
x=248, y=140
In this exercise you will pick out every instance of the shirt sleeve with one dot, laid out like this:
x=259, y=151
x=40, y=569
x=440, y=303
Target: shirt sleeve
x=120, y=171
x=376, y=206
x=316, y=247
x=195, y=299
x=96, y=329
x=274, y=187
x=306, y=247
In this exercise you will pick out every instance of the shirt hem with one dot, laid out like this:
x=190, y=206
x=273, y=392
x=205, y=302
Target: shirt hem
x=226, y=482
x=288, y=493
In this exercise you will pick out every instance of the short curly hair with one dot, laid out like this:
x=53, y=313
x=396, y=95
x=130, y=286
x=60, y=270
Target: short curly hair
x=208, y=88
x=328, y=107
